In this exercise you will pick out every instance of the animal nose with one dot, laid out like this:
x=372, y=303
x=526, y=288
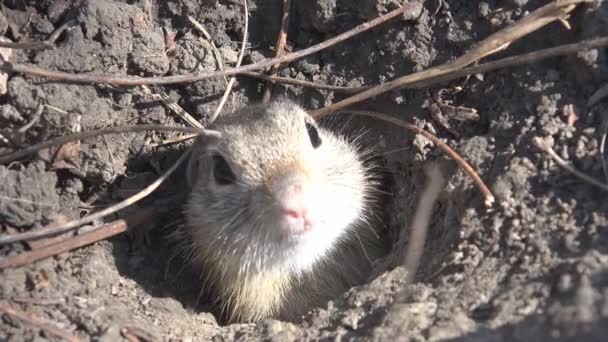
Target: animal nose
x=295, y=212
x=295, y=215
x=293, y=199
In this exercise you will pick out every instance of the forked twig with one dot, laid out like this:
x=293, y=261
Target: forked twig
x=216, y=52
x=544, y=146
x=553, y=11
x=280, y=48
x=466, y=167
x=238, y=64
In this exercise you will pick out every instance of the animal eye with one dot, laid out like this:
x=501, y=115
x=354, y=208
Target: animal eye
x=313, y=134
x=222, y=172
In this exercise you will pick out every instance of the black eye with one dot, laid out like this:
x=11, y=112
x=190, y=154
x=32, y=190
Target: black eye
x=221, y=171
x=313, y=134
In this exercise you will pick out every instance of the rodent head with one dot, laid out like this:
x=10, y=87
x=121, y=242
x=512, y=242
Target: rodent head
x=275, y=190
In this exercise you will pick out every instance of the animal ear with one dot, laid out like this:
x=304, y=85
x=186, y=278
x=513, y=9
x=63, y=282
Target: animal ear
x=206, y=139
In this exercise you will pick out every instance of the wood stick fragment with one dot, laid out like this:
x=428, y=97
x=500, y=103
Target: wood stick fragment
x=216, y=52
x=177, y=109
x=218, y=110
x=544, y=146
x=37, y=322
x=146, y=215
x=280, y=48
x=308, y=84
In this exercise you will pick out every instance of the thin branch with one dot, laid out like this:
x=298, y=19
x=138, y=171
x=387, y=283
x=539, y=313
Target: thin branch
x=598, y=95
x=177, y=109
x=544, y=146
x=466, y=167
x=216, y=52
x=280, y=48
x=92, y=134
x=49, y=43
x=302, y=83
x=37, y=322
x=137, y=81
x=603, y=147
x=145, y=215
x=33, y=120
x=495, y=42
x=174, y=140
x=527, y=58
x=54, y=229
x=238, y=64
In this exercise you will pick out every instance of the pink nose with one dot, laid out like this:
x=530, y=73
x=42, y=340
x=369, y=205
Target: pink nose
x=295, y=212
x=292, y=199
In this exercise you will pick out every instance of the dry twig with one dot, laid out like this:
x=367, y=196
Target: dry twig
x=598, y=95
x=293, y=81
x=177, y=109
x=466, y=167
x=54, y=229
x=544, y=146
x=280, y=48
x=91, y=134
x=553, y=11
x=603, y=147
x=146, y=215
x=216, y=52
x=138, y=81
x=33, y=120
x=49, y=43
x=238, y=64
x=37, y=322
x=527, y=58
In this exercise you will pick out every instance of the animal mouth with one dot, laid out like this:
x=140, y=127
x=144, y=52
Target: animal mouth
x=298, y=228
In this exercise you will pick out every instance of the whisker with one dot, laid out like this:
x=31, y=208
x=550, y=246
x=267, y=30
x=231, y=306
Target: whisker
x=394, y=151
x=362, y=247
